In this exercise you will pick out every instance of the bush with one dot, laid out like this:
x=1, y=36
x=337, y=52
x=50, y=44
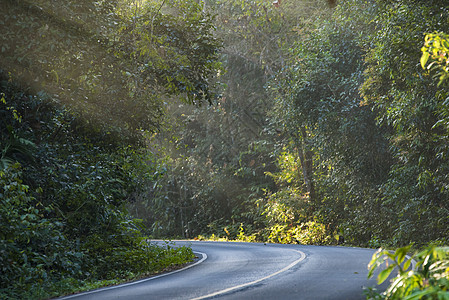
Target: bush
x=309, y=233
x=33, y=251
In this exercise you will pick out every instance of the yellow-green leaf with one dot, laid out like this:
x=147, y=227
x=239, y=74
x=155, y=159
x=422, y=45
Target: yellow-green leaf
x=384, y=274
x=424, y=59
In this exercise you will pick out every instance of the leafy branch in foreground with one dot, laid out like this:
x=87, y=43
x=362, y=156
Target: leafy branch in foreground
x=428, y=279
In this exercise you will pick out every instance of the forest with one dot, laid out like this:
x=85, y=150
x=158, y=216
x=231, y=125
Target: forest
x=294, y=121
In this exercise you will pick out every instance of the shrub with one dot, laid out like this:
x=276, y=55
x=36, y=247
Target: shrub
x=33, y=251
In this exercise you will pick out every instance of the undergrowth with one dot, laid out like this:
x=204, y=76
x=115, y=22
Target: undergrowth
x=309, y=233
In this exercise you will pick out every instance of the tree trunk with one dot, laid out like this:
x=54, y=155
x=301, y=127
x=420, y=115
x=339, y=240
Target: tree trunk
x=306, y=160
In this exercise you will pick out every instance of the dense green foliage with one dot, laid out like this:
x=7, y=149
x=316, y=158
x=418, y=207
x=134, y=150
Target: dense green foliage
x=110, y=61
x=82, y=85
x=334, y=136
x=216, y=159
x=325, y=117
x=67, y=226
x=414, y=197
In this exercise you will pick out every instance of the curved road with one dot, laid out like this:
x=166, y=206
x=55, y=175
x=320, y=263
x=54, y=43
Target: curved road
x=255, y=271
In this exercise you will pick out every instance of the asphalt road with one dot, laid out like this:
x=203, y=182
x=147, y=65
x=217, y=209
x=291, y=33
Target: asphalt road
x=255, y=271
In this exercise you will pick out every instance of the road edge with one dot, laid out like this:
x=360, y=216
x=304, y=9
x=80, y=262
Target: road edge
x=204, y=257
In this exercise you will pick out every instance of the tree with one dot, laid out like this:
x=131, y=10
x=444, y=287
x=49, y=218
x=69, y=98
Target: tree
x=111, y=61
x=228, y=144
x=330, y=128
x=411, y=104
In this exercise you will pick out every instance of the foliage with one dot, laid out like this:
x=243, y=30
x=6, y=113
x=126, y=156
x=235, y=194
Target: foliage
x=436, y=47
x=428, y=279
x=326, y=124
x=287, y=212
x=325, y=129
x=309, y=233
x=216, y=158
x=410, y=103
x=13, y=147
x=173, y=45
x=241, y=236
x=67, y=226
x=111, y=62
x=26, y=258
x=75, y=208
x=325, y=117
x=207, y=150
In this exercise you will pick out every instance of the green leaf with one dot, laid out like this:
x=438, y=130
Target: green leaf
x=407, y=264
x=384, y=274
x=424, y=58
x=419, y=294
x=401, y=253
x=443, y=295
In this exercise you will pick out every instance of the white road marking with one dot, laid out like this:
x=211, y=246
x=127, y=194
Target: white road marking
x=204, y=257
x=302, y=254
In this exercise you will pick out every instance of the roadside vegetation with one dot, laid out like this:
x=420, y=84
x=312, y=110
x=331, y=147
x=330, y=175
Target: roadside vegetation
x=63, y=224
x=82, y=85
x=304, y=121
